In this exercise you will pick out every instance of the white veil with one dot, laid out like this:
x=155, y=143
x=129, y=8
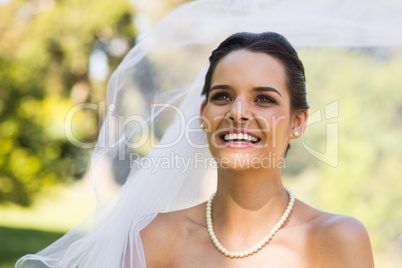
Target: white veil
x=154, y=97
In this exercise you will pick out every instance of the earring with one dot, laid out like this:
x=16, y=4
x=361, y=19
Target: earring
x=296, y=133
x=202, y=126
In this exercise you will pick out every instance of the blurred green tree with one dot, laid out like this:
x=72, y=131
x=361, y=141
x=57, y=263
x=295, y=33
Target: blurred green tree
x=45, y=52
x=366, y=181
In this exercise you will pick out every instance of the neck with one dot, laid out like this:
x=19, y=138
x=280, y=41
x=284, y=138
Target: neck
x=248, y=203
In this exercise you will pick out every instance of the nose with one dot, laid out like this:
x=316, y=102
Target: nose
x=239, y=112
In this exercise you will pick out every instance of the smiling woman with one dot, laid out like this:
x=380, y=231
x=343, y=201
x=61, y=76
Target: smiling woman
x=255, y=104
x=249, y=91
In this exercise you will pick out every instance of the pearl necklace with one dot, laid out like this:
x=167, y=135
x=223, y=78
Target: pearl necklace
x=261, y=244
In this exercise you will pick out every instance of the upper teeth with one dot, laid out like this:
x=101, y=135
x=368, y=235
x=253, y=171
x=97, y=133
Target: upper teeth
x=240, y=136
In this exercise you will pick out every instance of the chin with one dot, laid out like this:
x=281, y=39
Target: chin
x=241, y=160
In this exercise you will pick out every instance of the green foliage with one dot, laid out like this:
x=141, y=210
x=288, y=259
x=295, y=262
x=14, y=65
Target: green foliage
x=366, y=182
x=44, y=54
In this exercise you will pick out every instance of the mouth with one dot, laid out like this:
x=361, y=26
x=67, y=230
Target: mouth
x=239, y=138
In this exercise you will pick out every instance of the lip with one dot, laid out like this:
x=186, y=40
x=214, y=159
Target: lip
x=238, y=145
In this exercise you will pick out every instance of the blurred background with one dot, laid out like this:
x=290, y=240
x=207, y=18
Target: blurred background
x=55, y=55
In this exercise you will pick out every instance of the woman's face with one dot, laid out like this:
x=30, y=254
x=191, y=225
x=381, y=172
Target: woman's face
x=248, y=117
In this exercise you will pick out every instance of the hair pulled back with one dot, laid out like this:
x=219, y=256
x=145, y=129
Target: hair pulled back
x=274, y=45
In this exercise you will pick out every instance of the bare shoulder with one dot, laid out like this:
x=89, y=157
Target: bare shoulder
x=340, y=241
x=167, y=231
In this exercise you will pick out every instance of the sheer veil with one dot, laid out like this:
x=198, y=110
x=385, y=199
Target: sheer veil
x=153, y=101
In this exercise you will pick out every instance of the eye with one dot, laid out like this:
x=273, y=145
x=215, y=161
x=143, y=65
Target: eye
x=265, y=99
x=221, y=96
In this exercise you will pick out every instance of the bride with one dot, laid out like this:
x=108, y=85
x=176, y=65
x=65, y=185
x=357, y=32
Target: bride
x=255, y=104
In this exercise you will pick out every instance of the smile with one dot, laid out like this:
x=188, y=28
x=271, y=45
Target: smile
x=238, y=138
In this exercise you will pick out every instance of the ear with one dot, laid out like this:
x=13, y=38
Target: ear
x=299, y=123
x=202, y=107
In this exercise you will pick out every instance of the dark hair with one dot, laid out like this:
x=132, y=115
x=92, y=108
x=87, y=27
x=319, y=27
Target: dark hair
x=274, y=45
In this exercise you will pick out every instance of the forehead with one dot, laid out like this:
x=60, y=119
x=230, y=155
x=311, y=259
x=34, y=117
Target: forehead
x=244, y=68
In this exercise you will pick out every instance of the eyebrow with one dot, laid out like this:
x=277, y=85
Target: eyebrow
x=256, y=89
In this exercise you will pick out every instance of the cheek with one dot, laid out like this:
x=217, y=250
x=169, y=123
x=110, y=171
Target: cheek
x=212, y=120
x=276, y=124
x=276, y=119
x=213, y=116
x=280, y=121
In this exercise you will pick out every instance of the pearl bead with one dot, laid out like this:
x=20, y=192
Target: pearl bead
x=261, y=244
x=269, y=236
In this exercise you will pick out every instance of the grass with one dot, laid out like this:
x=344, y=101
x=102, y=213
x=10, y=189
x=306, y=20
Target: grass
x=29, y=230
x=16, y=242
